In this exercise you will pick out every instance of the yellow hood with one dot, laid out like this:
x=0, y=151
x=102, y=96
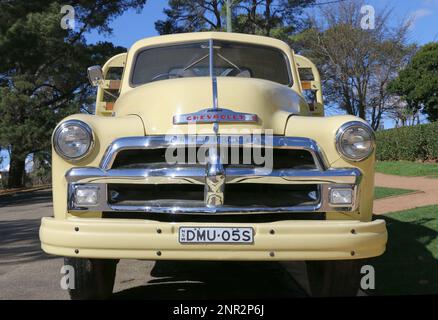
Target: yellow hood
x=158, y=102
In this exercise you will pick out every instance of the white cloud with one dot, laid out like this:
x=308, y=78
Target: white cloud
x=418, y=14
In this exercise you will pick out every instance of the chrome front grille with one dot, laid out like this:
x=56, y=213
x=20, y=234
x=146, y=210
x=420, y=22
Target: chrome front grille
x=151, y=150
x=132, y=177
x=232, y=157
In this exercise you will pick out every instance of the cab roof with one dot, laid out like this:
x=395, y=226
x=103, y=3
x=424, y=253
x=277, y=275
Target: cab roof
x=199, y=36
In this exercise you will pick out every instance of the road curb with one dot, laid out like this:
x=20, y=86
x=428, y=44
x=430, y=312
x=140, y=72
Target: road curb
x=19, y=191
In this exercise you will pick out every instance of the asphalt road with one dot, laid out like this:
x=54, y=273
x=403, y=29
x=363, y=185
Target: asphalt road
x=26, y=272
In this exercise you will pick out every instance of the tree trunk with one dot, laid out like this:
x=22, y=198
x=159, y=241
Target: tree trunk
x=362, y=112
x=268, y=23
x=253, y=16
x=16, y=171
x=217, y=14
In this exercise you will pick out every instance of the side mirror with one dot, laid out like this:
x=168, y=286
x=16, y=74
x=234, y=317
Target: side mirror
x=95, y=75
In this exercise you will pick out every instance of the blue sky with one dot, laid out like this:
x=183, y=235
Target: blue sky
x=132, y=26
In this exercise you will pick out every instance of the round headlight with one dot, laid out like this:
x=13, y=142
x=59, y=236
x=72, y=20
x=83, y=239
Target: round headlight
x=355, y=141
x=73, y=140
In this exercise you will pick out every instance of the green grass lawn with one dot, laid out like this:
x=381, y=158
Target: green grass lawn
x=410, y=263
x=381, y=192
x=406, y=168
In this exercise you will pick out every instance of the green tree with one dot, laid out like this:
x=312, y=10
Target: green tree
x=276, y=18
x=417, y=84
x=43, y=70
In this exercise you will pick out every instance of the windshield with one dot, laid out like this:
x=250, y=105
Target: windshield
x=192, y=60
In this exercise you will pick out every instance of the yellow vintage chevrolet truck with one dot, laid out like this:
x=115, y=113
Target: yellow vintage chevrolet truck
x=212, y=146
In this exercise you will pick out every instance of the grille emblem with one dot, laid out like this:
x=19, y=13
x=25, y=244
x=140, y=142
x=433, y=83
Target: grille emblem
x=213, y=115
x=214, y=190
x=214, y=179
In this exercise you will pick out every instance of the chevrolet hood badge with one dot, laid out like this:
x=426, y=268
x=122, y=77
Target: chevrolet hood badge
x=213, y=115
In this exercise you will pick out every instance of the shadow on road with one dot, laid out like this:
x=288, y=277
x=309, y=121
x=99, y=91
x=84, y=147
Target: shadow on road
x=20, y=241
x=215, y=280
x=408, y=266
x=26, y=198
x=20, y=246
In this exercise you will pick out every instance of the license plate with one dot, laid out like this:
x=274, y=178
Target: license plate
x=216, y=235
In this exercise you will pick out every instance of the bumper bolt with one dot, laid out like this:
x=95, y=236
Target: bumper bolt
x=76, y=229
x=76, y=251
x=353, y=231
x=352, y=253
x=159, y=231
x=272, y=231
x=271, y=254
x=158, y=253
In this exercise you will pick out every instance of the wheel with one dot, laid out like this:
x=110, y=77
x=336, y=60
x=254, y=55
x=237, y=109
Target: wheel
x=337, y=278
x=93, y=278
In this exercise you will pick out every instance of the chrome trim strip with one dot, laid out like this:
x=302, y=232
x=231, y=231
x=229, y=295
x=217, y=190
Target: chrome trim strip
x=322, y=205
x=163, y=142
x=214, y=84
x=214, y=173
x=215, y=177
x=196, y=175
x=325, y=179
x=213, y=210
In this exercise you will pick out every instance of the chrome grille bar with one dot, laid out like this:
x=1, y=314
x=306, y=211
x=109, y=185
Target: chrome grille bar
x=197, y=175
x=163, y=142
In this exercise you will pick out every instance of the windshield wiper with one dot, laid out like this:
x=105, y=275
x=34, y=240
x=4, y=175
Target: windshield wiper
x=195, y=62
x=204, y=57
x=228, y=61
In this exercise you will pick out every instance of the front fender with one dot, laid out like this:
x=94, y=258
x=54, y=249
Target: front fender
x=323, y=131
x=105, y=129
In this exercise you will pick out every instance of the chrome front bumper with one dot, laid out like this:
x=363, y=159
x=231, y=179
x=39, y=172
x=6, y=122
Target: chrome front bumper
x=324, y=177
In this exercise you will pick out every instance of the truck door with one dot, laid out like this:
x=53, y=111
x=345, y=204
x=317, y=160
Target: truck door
x=108, y=93
x=310, y=85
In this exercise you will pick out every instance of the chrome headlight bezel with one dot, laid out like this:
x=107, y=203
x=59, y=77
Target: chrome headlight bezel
x=343, y=129
x=87, y=129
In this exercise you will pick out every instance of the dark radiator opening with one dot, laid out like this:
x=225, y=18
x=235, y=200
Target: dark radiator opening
x=140, y=193
x=231, y=156
x=270, y=195
x=191, y=195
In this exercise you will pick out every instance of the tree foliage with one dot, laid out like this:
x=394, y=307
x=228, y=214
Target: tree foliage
x=43, y=70
x=357, y=64
x=417, y=84
x=277, y=18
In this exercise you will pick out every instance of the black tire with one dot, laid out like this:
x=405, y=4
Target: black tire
x=337, y=278
x=94, y=278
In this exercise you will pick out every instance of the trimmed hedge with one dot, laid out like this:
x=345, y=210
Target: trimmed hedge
x=408, y=143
